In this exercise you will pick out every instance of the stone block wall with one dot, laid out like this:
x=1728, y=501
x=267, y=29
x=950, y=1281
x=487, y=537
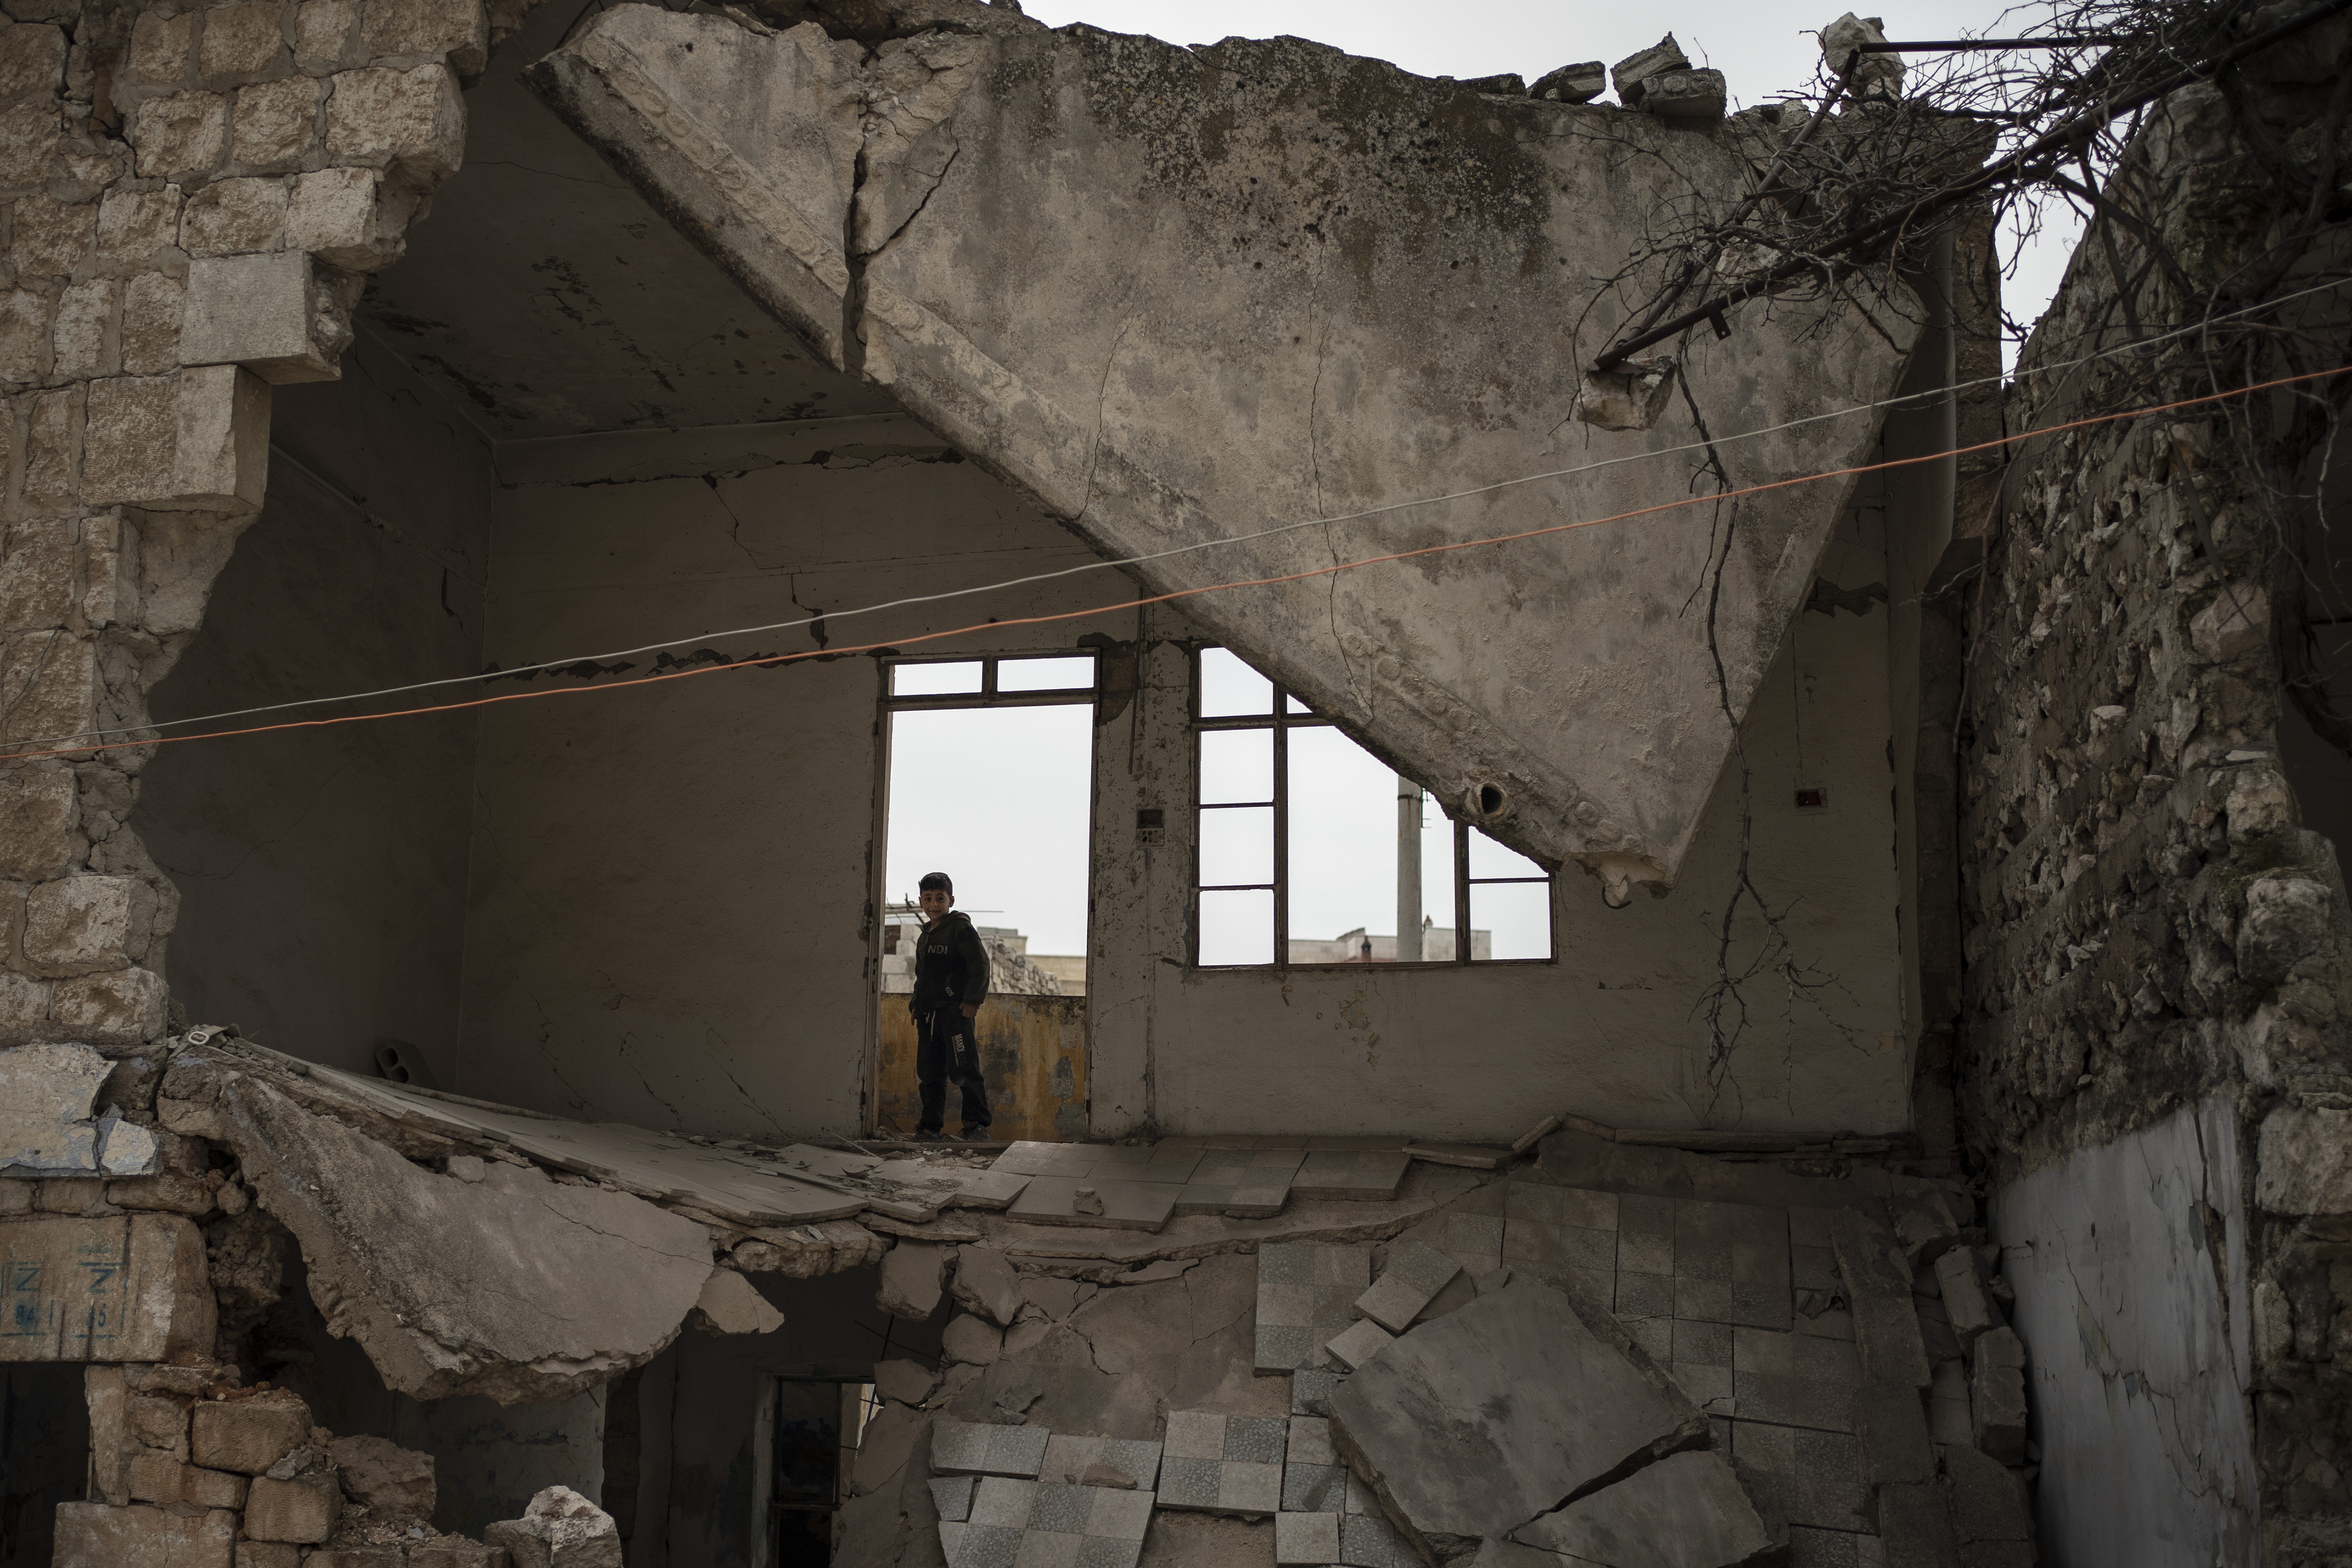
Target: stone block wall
x=2146, y=923
x=190, y=199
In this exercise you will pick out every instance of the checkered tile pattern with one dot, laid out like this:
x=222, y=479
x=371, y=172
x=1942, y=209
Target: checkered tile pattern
x=1411, y=1280
x=1304, y=1296
x=1222, y=1464
x=1248, y=1183
x=1068, y=1458
x=967, y=1448
x=1033, y=1524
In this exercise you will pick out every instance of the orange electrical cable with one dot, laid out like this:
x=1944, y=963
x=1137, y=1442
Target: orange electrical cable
x=1127, y=604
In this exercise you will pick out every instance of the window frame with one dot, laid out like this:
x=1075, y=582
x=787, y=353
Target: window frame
x=989, y=695
x=1281, y=721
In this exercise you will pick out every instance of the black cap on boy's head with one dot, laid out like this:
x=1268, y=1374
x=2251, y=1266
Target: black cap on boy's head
x=938, y=880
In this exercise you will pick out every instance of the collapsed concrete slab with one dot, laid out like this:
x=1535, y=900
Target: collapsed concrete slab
x=1687, y=1511
x=1476, y=1424
x=1221, y=306
x=514, y=1286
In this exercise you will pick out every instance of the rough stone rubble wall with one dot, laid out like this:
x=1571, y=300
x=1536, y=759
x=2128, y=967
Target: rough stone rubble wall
x=190, y=198
x=2146, y=923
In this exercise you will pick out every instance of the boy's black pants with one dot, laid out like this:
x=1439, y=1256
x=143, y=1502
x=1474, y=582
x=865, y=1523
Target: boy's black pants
x=947, y=1048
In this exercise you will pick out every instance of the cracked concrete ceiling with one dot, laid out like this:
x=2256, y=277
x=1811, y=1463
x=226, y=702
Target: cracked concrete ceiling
x=546, y=297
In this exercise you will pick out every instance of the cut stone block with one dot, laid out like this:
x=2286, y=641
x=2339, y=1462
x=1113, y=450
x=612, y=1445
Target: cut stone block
x=1967, y=1306
x=1685, y=1510
x=1579, y=83
x=49, y=1096
x=304, y=1511
x=986, y=1282
x=1362, y=1342
x=1631, y=72
x=122, y=1288
x=93, y=1533
x=249, y=1435
x=965, y=1449
x=1481, y=1420
x=1414, y=1275
x=263, y=311
x=1693, y=94
x=910, y=1280
x=1878, y=1286
x=1997, y=1394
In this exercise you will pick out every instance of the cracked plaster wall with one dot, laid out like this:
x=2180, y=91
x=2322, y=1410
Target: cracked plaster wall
x=322, y=872
x=2141, y=1324
x=2149, y=924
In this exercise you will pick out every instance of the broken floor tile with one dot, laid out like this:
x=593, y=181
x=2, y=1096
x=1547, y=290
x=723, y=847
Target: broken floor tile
x=1363, y=1340
x=1472, y=1157
x=1812, y=1477
x=1126, y=1205
x=1370, y=1541
x=1685, y=1509
x=1304, y=1293
x=952, y=1495
x=1220, y=1486
x=1305, y=1537
x=1003, y=1502
x=1794, y=1380
x=966, y=1448
x=1480, y=1420
x=1033, y=1159
x=1314, y=1489
x=1369, y=1175
x=1071, y=1458
x=1311, y=1391
x=1414, y=1275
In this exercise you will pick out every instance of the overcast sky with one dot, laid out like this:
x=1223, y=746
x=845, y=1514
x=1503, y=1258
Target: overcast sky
x=999, y=797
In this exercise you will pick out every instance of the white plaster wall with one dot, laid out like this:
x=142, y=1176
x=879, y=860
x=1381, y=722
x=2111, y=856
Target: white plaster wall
x=2140, y=1353
x=1607, y=1031
x=671, y=885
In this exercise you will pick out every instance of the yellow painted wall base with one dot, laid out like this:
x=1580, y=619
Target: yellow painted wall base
x=1033, y=1056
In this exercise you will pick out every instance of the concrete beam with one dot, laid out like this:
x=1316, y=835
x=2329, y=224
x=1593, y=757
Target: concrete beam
x=1189, y=295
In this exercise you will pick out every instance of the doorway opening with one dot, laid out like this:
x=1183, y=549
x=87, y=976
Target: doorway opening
x=814, y=1444
x=990, y=779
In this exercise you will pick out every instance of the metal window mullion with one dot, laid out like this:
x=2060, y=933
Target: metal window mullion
x=1281, y=835
x=1461, y=891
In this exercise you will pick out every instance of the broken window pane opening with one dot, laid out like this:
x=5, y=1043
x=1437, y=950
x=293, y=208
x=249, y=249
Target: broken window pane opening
x=917, y=680
x=1510, y=920
x=1012, y=680
x=1491, y=861
x=1062, y=673
x=1343, y=843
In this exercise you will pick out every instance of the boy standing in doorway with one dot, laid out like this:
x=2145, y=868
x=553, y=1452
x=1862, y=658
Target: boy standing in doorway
x=950, y=982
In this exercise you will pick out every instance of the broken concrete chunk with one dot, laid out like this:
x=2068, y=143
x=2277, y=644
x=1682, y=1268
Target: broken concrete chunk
x=1966, y=1306
x=510, y=1288
x=1508, y=84
x=730, y=1304
x=906, y=1382
x=561, y=1529
x=1876, y=73
x=972, y=1339
x=1696, y=95
x=127, y=1149
x=388, y=1480
x=1997, y=1394
x=986, y=1282
x=1685, y=1510
x=1580, y=83
x=48, y=1099
x=1359, y=1344
x=1631, y=72
x=1629, y=398
x=910, y=1282
x=1414, y=1275
x=1878, y=1287
x=1474, y=1424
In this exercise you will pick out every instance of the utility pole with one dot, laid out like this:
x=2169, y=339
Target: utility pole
x=1408, y=948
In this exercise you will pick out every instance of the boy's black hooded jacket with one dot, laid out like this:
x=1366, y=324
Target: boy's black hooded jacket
x=950, y=966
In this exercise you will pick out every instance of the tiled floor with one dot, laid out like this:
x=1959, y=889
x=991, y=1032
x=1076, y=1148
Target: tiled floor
x=1306, y=1294
x=1369, y=1174
x=1068, y=1458
x=1028, y=1524
x=1250, y=1183
x=967, y=1448
x=1222, y=1464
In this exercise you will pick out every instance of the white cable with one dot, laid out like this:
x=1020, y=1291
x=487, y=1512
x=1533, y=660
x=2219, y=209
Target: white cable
x=1184, y=550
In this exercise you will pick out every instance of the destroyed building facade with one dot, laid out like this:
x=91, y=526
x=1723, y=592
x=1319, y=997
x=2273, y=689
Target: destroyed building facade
x=1970, y=1189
